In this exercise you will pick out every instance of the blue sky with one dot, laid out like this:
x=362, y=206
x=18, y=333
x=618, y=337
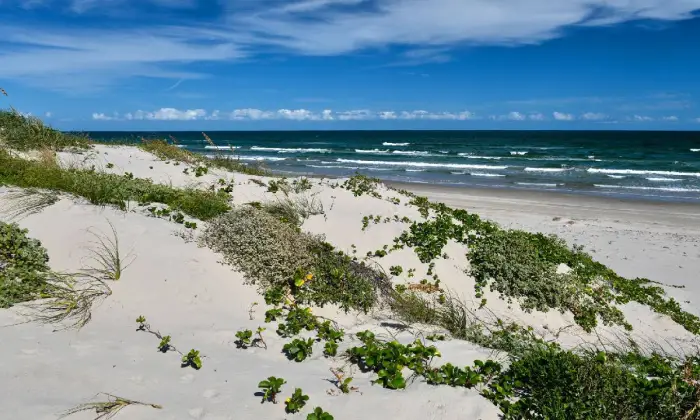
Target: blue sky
x=353, y=64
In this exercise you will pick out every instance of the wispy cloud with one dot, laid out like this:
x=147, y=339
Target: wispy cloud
x=671, y=118
x=73, y=56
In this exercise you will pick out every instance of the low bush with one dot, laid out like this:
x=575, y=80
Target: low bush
x=23, y=266
x=552, y=384
x=272, y=253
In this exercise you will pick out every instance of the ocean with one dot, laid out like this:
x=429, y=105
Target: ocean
x=636, y=164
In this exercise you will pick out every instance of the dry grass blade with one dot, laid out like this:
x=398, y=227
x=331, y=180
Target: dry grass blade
x=68, y=300
x=107, y=257
x=22, y=203
x=107, y=409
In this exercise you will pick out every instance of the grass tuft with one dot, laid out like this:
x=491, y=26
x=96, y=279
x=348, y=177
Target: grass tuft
x=106, y=409
x=25, y=202
x=105, y=253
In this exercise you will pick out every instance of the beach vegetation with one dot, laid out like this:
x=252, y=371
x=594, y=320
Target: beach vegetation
x=271, y=387
x=526, y=267
x=24, y=270
x=272, y=253
x=319, y=414
x=296, y=402
x=192, y=359
x=23, y=133
x=299, y=349
x=109, y=261
x=105, y=410
x=361, y=184
x=342, y=382
x=109, y=189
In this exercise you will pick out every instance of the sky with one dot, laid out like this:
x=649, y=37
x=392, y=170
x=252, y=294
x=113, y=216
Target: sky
x=352, y=64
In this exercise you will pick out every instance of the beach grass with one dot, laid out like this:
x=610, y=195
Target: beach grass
x=108, y=189
x=20, y=132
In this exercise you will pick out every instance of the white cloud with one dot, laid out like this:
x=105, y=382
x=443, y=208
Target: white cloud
x=536, y=117
x=641, y=118
x=593, y=116
x=48, y=114
x=560, y=116
x=515, y=116
x=167, y=114
x=253, y=114
x=671, y=118
x=102, y=117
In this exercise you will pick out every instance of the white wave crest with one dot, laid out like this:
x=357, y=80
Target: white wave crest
x=289, y=150
x=470, y=156
x=661, y=179
x=220, y=147
x=386, y=143
x=669, y=189
x=639, y=172
x=421, y=164
x=518, y=153
x=372, y=151
x=547, y=169
x=486, y=174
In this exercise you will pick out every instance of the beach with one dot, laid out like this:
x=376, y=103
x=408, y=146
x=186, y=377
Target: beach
x=192, y=293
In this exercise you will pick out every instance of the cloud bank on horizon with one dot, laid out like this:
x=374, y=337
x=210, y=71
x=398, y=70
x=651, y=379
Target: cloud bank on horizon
x=372, y=58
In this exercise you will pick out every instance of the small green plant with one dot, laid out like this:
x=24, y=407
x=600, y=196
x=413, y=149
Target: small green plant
x=110, y=165
x=190, y=225
x=319, y=414
x=164, y=345
x=245, y=339
x=193, y=359
x=395, y=270
x=271, y=387
x=296, y=402
x=341, y=382
x=361, y=184
x=200, y=171
x=299, y=349
x=128, y=175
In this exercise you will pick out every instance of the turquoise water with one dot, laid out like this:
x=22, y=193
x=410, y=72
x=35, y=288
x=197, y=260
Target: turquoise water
x=656, y=165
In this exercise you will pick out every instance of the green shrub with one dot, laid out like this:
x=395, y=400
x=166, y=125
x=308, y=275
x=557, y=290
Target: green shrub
x=266, y=249
x=272, y=253
x=551, y=384
x=23, y=266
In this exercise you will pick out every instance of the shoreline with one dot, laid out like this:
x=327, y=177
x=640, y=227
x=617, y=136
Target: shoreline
x=573, y=205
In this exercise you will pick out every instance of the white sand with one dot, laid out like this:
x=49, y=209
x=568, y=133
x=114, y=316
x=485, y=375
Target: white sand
x=184, y=292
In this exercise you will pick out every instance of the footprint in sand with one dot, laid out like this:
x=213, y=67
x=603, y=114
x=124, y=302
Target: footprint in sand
x=211, y=395
x=196, y=413
x=187, y=379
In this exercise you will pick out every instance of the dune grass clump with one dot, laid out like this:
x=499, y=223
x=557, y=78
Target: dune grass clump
x=166, y=151
x=24, y=269
x=170, y=152
x=272, y=253
x=109, y=189
x=21, y=132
